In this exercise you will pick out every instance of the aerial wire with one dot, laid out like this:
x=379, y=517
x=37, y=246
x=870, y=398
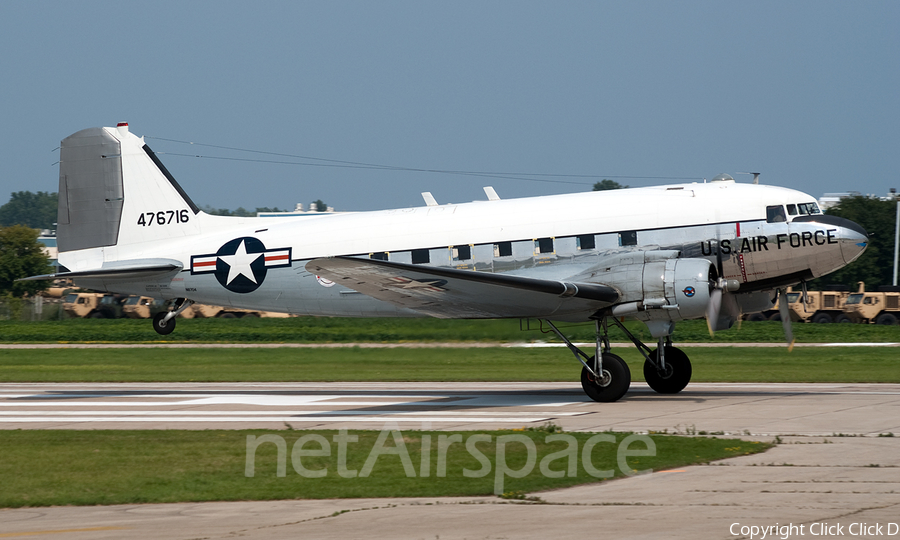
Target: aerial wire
x=337, y=163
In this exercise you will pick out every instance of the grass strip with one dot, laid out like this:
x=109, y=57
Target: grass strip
x=713, y=364
x=43, y=468
x=348, y=330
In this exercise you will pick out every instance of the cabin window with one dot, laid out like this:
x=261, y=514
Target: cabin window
x=585, y=241
x=420, y=256
x=462, y=253
x=792, y=209
x=503, y=249
x=379, y=256
x=628, y=238
x=543, y=245
x=775, y=214
x=808, y=208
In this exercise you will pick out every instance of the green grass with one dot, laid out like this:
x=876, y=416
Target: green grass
x=347, y=330
x=726, y=364
x=57, y=467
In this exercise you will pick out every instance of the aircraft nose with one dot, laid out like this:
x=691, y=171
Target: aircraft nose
x=854, y=239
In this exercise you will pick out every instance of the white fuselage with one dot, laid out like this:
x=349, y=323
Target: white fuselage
x=543, y=237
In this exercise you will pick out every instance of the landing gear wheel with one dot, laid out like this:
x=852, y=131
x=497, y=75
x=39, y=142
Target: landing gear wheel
x=613, y=382
x=675, y=376
x=164, y=328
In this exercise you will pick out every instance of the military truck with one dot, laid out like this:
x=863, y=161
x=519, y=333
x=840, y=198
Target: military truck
x=821, y=306
x=207, y=311
x=93, y=305
x=144, y=307
x=881, y=307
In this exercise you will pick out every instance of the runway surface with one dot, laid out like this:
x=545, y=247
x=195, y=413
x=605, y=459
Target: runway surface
x=742, y=409
x=835, y=463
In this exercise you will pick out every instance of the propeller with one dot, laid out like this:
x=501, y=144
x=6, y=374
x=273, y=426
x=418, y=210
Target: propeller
x=723, y=309
x=785, y=313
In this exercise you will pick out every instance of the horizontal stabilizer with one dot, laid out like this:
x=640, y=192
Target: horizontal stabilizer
x=447, y=292
x=137, y=268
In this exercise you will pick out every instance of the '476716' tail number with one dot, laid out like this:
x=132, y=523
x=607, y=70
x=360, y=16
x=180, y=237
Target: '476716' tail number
x=163, y=217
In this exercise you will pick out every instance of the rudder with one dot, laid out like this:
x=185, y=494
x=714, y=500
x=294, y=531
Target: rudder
x=114, y=191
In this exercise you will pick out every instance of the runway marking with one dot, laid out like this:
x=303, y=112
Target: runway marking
x=428, y=414
x=436, y=400
x=60, y=531
x=294, y=419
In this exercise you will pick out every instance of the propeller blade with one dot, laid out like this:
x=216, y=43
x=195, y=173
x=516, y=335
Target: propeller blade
x=784, y=312
x=712, y=310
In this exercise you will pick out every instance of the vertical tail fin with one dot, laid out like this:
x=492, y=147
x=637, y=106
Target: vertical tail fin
x=114, y=191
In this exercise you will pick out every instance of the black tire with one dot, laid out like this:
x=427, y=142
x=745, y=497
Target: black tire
x=250, y=316
x=227, y=315
x=756, y=317
x=775, y=317
x=95, y=315
x=843, y=319
x=822, y=318
x=676, y=376
x=163, y=328
x=886, y=318
x=615, y=382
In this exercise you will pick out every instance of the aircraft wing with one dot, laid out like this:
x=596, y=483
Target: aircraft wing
x=128, y=269
x=451, y=293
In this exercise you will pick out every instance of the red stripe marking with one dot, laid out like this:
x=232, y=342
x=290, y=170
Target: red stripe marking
x=276, y=258
x=208, y=263
x=737, y=227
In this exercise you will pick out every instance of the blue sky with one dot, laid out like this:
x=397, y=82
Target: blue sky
x=804, y=92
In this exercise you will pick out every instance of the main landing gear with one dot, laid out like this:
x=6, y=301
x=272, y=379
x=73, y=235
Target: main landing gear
x=164, y=321
x=605, y=377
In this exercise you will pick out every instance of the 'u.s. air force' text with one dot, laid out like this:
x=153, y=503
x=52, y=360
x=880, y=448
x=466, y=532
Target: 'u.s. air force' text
x=779, y=241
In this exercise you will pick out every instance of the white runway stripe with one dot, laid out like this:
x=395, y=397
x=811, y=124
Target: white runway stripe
x=427, y=414
x=257, y=419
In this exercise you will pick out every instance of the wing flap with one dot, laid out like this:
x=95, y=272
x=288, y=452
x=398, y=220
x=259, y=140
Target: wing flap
x=447, y=292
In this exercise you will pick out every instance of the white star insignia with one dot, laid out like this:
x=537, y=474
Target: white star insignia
x=239, y=263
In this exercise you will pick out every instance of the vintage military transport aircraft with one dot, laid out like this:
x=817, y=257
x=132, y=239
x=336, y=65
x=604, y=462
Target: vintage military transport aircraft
x=658, y=254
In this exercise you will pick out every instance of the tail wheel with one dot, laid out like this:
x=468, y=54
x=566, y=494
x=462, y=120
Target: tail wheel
x=162, y=326
x=612, y=383
x=674, y=377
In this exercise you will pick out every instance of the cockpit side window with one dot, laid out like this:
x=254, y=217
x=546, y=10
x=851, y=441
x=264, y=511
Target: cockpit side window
x=775, y=214
x=792, y=209
x=809, y=208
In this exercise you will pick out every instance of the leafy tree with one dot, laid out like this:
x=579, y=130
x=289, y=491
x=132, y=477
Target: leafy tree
x=320, y=206
x=876, y=265
x=36, y=210
x=21, y=255
x=607, y=184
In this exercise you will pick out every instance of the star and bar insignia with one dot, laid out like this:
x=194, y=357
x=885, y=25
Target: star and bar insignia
x=240, y=265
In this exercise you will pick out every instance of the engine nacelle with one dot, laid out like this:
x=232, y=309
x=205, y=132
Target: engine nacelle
x=666, y=290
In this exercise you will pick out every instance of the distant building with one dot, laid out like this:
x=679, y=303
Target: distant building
x=828, y=200
x=48, y=238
